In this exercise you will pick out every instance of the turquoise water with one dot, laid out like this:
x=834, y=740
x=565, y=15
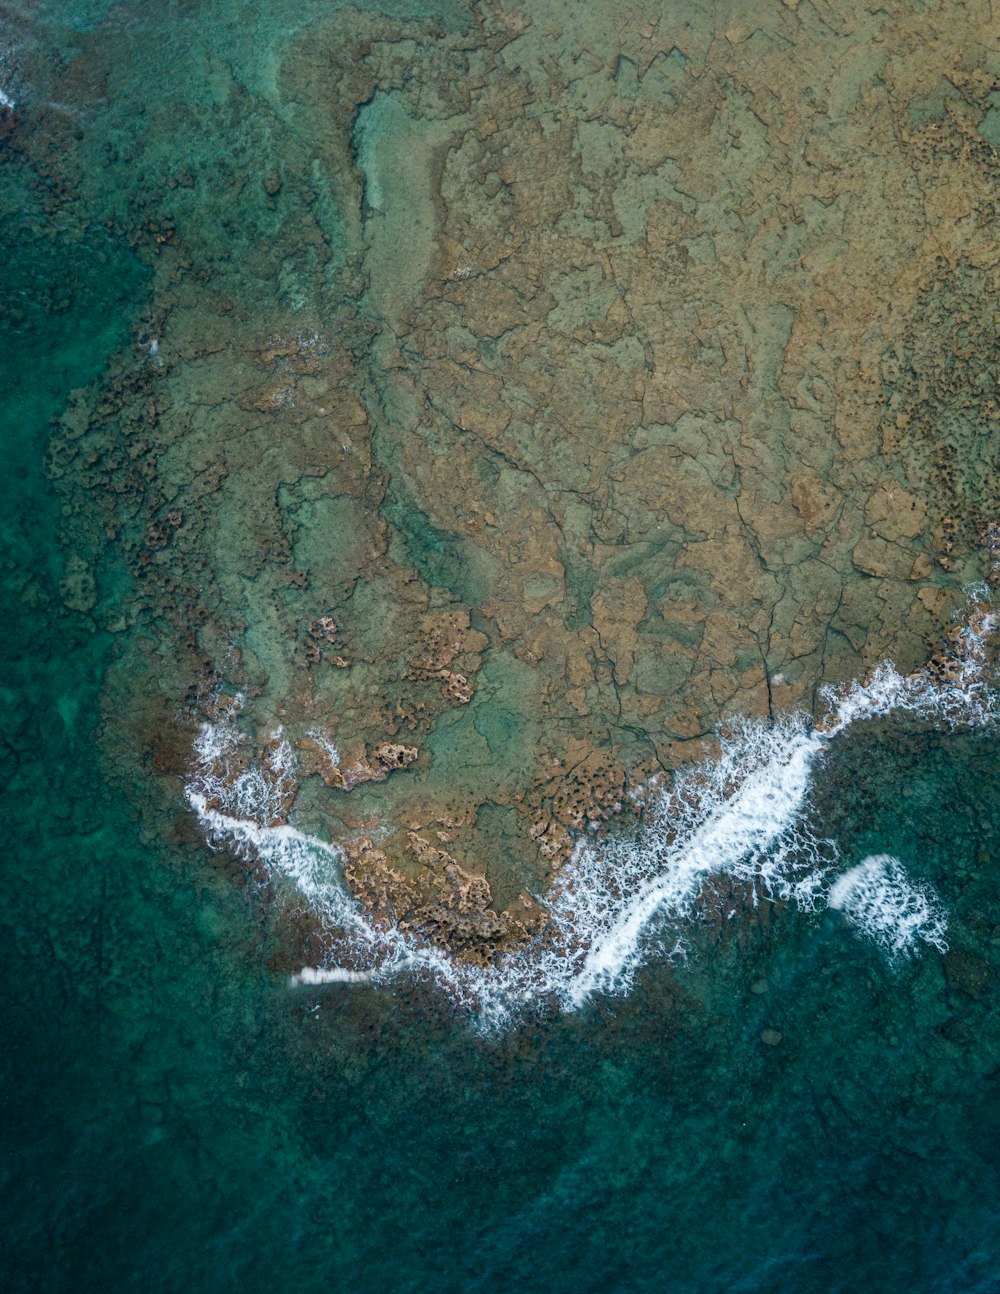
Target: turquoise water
x=178, y=1117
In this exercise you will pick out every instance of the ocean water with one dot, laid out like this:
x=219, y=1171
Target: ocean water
x=761, y=1054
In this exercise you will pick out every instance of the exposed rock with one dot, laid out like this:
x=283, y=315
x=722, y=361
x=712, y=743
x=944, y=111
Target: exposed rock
x=585, y=789
x=815, y=500
x=391, y=755
x=442, y=901
x=686, y=399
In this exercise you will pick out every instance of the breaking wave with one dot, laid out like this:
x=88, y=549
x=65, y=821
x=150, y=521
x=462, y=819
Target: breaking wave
x=742, y=815
x=877, y=898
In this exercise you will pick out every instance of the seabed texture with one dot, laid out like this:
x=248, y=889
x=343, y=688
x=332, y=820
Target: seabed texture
x=451, y=452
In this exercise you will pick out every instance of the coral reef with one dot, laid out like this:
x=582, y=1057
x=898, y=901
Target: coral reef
x=439, y=899
x=557, y=393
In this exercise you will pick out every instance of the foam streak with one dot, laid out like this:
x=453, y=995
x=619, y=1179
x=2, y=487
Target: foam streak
x=742, y=815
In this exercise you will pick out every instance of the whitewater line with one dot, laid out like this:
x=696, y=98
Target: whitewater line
x=737, y=831
x=741, y=814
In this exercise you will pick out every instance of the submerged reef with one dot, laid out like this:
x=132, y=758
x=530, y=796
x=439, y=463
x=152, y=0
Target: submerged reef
x=516, y=400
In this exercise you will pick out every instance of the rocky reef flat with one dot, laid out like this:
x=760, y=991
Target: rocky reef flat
x=520, y=394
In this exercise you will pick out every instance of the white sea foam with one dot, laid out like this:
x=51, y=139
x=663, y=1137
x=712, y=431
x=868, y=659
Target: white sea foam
x=8, y=61
x=883, y=904
x=325, y=745
x=310, y=864
x=243, y=790
x=281, y=757
x=336, y=975
x=742, y=816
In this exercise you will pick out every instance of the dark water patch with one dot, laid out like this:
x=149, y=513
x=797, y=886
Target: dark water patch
x=69, y=293
x=443, y=558
x=352, y=1136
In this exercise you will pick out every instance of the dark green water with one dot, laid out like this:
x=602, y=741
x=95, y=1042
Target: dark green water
x=176, y=1118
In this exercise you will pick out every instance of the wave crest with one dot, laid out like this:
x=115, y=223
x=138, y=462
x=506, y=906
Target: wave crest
x=881, y=902
x=742, y=815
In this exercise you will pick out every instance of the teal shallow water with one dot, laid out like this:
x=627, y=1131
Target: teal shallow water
x=176, y=1117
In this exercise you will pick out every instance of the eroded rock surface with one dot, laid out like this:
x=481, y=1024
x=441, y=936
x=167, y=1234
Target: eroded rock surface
x=554, y=389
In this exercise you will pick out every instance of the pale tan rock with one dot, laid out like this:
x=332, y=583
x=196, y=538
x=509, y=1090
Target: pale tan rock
x=681, y=398
x=894, y=514
x=489, y=422
x=877, y=556
x=815, y=500
x=393, y=755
